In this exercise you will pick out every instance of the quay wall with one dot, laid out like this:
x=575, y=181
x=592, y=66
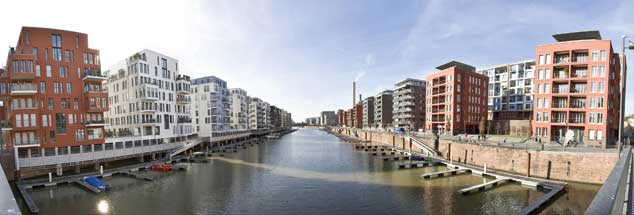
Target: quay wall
x=584, y=167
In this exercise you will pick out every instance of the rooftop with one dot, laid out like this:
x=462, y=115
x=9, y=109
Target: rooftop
x=457, y=64
x=579, y=35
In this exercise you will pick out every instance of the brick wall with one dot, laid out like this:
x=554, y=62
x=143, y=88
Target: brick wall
x=587, y=167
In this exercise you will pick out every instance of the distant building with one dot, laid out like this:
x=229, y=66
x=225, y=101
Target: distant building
x=328, y=118
x=315, y=121
x=257, y=114
x=383, y=106
x=511, y=90
x=368, y=112
x=342, y=118
x=239, y=115
x=211, y=107
x=409, y=104
x=456, y=98
x=577, y=86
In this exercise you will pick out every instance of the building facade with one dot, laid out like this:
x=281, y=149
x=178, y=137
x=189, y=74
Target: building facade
x=239, y=109
x=211, y=105
x=256, y=114
x=53, y=99
x=577, y=92
x=511, y=90
x=383, y=106
x=408, y=110
x=149, y=100
x=368, y=112
x=456, y=98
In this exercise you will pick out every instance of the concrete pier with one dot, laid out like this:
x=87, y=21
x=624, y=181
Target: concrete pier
x=416, y=164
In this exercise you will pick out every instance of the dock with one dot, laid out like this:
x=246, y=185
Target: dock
x=137, y=176
x=86, y=186
x=416, y=164
x=483, y=186
x=443, y=173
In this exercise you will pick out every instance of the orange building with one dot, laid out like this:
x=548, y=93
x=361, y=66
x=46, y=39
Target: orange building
x=576, y=84
x=456, y=99
x=53, y=97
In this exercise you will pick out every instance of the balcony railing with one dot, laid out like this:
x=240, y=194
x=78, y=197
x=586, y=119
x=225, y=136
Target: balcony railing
x=28, y=142
x=95, y=122
x=23, y=89
x=147, y=121
x=93, y=76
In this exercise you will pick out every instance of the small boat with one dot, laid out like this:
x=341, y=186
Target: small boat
x=161, y=167
x=272, y=136
x=95, y=182
x=418, y=158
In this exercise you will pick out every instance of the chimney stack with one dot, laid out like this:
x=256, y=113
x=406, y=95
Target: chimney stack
x=354, y=93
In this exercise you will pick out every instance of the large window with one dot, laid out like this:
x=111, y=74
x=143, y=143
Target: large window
x=57, y=47
x=60, y=123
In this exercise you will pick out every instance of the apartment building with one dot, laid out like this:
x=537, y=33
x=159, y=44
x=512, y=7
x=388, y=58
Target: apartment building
x=383, y=106
x=408, y=110
x=211, y=106
x=511, y=90
x=368, y=112
x=257, y=114
x=53, y=100
x=312, y=121
x=287, y=120
x=328, y=118
x=342, y=118
x=274, y=113
x=239, y=109
x=456, y=98
x=148, y=99
x=577, y=90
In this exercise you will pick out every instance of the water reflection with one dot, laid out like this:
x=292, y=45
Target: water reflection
x=103, y=207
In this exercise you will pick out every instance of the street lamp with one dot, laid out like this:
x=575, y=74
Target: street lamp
x=629, y=46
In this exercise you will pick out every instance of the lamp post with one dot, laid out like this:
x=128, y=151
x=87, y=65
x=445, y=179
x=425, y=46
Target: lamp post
x=629, y=46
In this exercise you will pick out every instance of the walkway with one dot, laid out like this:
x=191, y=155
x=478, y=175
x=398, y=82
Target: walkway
x=8, y=204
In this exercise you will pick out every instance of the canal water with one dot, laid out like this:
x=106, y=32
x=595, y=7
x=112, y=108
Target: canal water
x=306, y=172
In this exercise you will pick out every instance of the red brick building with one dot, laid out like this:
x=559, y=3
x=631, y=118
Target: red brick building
x=52, y=95
x=456, y=99
x=576, y=89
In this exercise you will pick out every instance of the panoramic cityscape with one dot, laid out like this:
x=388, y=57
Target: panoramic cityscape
x=317, y=107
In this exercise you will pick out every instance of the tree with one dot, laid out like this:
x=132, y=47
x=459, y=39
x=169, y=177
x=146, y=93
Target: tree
x=483, y=127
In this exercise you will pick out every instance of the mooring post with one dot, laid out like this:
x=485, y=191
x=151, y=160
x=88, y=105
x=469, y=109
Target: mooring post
x=101, y=170
x=528, y=166
x=485, y=167
x=50, y=177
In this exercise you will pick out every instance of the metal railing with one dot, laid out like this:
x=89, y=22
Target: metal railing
x=613, y=197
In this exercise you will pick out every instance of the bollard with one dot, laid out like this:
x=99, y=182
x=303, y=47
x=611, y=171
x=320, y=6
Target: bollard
x=485, y=167
x=101, y=170
x=50, y=177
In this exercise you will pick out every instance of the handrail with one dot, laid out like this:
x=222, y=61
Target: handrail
x=611, y=197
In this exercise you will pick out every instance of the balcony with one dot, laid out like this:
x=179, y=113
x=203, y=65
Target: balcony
x=146, y=109
x=149, y=97
x=94, y=91
x=93, y=76
x=562, y=58
x=95, y=123
x=183, y=99
x=184, y=120
x=6, y=125
x=23, y=89
x=148, y=121
x=95, y=108
x=27, y=143
x=561, y=74
x=22, y=75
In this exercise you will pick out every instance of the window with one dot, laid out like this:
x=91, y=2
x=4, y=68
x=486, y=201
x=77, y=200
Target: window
x=599, y=135
x=591, y=134
x=49, y=71
x=547, y=58
x=60, y=123
x=50, y=103
x=603, y=57
x=595, y=55
x=37, y=70
x=541, y=59
x=42, y=87
x=57, y=47
x=69, y=88
x=80, y=135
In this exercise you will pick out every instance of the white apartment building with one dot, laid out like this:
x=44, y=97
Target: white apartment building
x=148, y=101
x=257, y=113
x=409, y=104
x=211, y=107
x=511, y=90
x=239, y=109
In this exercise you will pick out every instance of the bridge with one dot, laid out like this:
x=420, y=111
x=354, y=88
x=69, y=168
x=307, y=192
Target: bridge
x=616, y=196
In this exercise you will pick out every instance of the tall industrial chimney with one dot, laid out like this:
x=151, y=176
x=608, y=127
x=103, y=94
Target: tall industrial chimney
x=354, y=93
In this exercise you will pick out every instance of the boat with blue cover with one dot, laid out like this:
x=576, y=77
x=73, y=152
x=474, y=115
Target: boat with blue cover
x=95, y=182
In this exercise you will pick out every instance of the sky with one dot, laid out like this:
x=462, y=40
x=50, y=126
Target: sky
x=302, y=56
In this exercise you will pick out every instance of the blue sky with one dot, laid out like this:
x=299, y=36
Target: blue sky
x=303, y=55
